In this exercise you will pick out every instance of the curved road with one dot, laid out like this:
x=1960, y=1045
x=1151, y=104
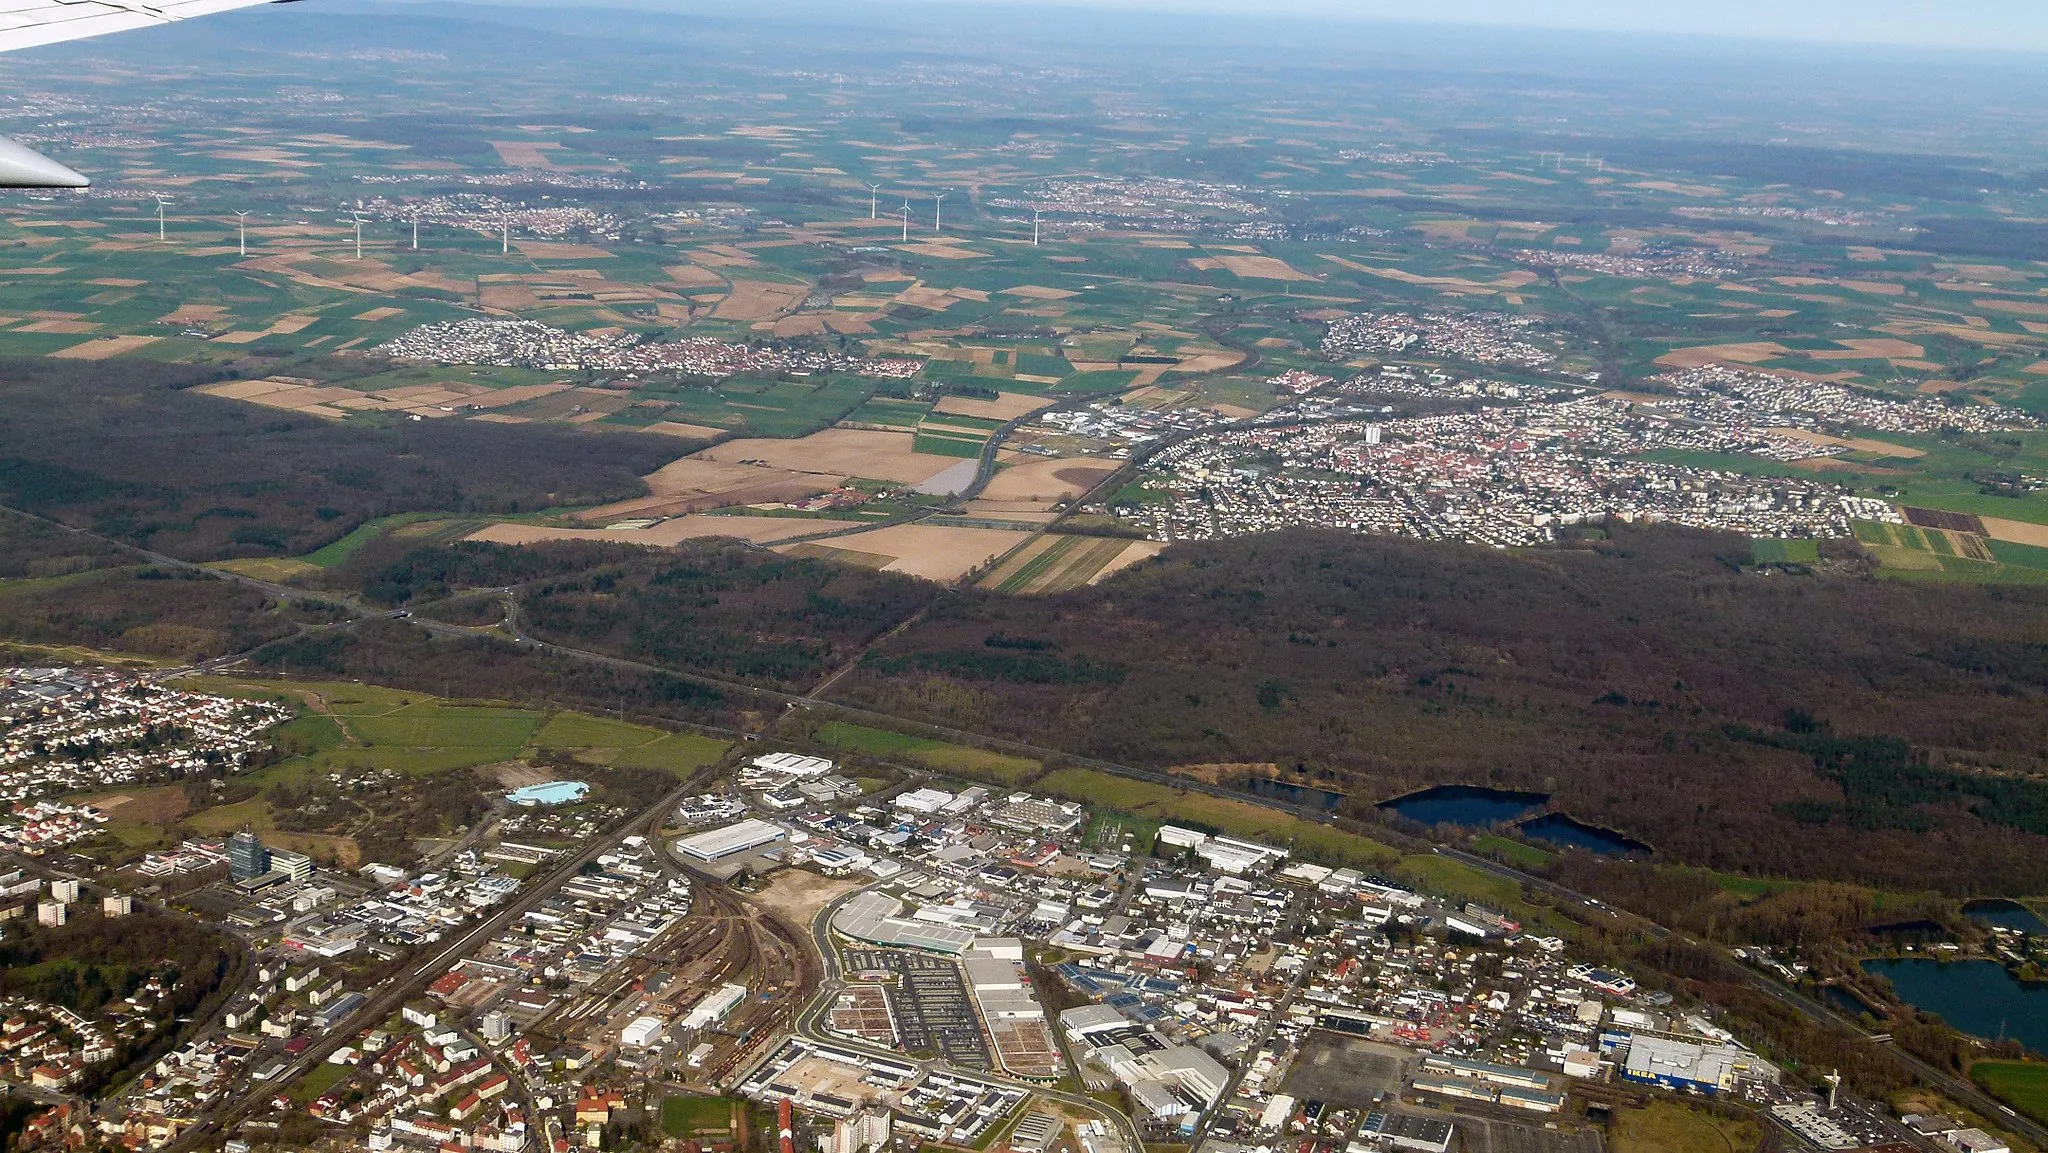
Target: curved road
x=807, y=1026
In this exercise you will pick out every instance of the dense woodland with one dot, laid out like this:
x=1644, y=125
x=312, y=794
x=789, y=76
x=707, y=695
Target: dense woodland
x=716, y=608
x=1832, y=726
x=159, y=612
x=1827, y=726
x=119, y=446
x=392, y=653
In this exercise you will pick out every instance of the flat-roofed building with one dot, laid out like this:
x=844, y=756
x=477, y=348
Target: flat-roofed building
x=717, y=844
x=794, y=764
x=875, y=919
x=1036, y=1133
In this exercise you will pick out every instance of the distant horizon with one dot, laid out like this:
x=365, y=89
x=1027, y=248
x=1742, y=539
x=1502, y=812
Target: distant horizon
x=2004, y=25
x=1983, y=25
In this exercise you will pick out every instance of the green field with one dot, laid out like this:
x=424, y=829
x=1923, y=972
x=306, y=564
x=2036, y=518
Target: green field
x=431, y=725
x=2020, y=1084
x=1516, y=853
x=685, y=1117
x=960, y=760
x=678, y=753
x=1238, y=818
x=1669, y=1127
x=1445, y=877
x=927, y=441
x=350, y=724
x=1771, y=550
x=334, y=554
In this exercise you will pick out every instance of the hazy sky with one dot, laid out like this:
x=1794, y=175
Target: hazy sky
x=2008, y=24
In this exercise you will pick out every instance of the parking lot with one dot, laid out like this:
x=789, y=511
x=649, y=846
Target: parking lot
x=1487, y=1136
x=1348, y=1072
x=933, y=1010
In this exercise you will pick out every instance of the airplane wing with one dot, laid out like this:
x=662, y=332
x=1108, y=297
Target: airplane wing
x=32, y=23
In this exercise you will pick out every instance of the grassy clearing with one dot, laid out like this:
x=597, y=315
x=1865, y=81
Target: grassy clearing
x=577, y=731
x=678, y=753
x=2020, y=1084
x=960, y=760
x=1458, y=881
x=355, y=726
x=317, y=1080
x=282, y=570
x=1238, y=818
x=685, y=1117
x=1515, y=853
x=430, y=725
x=1770, y=550
x=253, y=813
x=1668, y=1127
x=335, y=553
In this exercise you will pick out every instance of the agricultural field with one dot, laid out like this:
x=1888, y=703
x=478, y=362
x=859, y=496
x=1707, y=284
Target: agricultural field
x=1958, y=549
x=938, y=552
x=730, y=288
x=1055, y=563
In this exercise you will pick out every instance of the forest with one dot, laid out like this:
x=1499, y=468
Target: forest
x=716, y=608
x=120, y=447
x=1831, y=726
x=1826, y=726
x=177, y=613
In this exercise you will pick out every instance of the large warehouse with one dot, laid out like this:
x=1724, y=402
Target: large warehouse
x=715, y=845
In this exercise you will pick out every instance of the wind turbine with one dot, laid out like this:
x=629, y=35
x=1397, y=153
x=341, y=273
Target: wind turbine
x=938, y=205
x=505, y=236
x=160, y=218
x=1034, y=228
x=243, y=222
x=874, y=199
x=415, y=230
x=906, y=222
x=358, y=217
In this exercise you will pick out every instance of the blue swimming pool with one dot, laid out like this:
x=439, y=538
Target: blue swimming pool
x=549, y=793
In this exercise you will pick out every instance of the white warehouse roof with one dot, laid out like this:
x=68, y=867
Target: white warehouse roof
x=717, y=844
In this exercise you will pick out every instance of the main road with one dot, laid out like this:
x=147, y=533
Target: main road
x=828, y=991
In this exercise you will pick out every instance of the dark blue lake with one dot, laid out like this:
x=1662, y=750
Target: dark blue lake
x=1295, y=794
x=1563, y=831
x=2006, y=915
x=1466, y=806
x=1978, y=997
x=1844, y=1000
